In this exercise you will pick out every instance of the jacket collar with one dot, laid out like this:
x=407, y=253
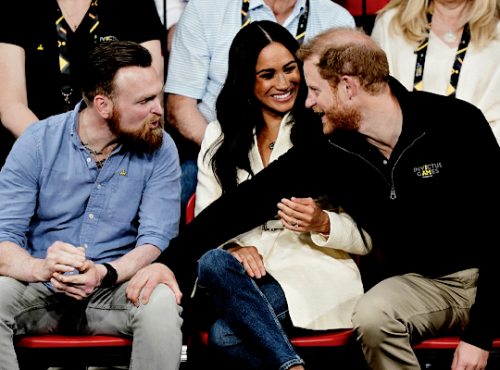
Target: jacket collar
x=411, y=127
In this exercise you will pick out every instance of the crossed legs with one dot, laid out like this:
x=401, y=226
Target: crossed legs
x=250, y=330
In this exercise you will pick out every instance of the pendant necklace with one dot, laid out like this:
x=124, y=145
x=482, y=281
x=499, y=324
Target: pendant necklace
x=70, y=18
x=449, y=37
x=92, y=152
x=271, y=146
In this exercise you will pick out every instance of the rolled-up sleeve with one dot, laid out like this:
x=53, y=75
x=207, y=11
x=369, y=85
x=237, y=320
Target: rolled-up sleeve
x=344, y=235
x=19, y=187
x=160, y=209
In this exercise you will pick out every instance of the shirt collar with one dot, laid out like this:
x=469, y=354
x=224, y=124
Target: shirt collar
x=410, y=130
x=299, y=5
x=74, y=117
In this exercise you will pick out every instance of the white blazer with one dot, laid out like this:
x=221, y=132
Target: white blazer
x=320, y=280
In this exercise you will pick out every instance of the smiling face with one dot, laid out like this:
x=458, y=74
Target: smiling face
x=136, y=117
x=277, y=79
x=327, y=102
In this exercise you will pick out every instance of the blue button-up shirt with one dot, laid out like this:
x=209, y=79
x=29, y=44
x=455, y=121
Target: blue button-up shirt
x=198, y=61
x=51, y=190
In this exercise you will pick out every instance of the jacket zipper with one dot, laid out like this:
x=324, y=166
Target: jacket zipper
x=391, y=184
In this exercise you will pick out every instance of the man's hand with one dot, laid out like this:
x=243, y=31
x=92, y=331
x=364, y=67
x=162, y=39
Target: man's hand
x=305, y=213
x=61, y=257
x=469, y=357
x=148, y=278
x=251, y=260
x=80, y=286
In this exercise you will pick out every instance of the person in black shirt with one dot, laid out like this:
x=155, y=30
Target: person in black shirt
x=43, y=46
x=407, y=166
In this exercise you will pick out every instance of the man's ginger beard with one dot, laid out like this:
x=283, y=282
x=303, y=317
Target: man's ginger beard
x=143, y=140
x=341, y=117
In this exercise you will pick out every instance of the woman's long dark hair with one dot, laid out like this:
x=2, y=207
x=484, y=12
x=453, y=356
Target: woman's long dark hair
x=239, y=112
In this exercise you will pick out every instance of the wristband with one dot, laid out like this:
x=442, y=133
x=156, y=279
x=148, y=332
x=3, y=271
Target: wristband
x=110, y=278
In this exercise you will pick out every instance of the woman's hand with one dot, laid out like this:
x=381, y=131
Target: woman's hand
x=303, y=214
x=251, y=260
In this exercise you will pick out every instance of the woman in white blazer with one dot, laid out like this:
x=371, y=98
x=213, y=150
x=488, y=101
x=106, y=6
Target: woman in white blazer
x=290, y=273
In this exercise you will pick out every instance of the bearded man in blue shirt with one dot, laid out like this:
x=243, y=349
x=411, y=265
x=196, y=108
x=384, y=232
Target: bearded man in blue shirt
x=88, y=198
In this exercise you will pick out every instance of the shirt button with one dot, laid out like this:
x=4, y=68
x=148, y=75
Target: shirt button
x=99, y=186
x=85, y=245
x=91, y=216
x=88, y=160
x=384, y=161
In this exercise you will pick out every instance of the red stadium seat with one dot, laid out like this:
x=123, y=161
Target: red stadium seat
x=446, y=343
x=190, y=208
x=333, y=339
x=68, y=341
x=61, y=350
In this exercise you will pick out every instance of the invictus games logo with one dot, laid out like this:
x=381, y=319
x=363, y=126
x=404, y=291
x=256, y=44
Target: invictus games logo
x=427, y=170
x=107, y=38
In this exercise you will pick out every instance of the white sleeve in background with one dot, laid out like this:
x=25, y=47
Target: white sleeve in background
x=207, y=189
x=344, y=235
x=174, y=10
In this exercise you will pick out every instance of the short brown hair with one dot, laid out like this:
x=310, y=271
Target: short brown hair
x=103, y=63
x=346, y=51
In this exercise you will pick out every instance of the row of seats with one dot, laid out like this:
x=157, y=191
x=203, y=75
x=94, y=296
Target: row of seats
x=34, y=351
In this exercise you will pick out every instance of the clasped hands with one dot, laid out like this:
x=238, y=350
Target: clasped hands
x=303, y=215
x=65, y=258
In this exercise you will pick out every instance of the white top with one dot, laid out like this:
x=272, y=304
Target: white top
x=320, y=280
x=479, y=81
x=198, y=62
x=174, y=10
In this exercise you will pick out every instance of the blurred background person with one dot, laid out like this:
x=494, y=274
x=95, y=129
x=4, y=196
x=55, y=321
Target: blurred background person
x=173, y=11
x=198, y=61
x=448, y=47
x=43, y=46
x=261, y=113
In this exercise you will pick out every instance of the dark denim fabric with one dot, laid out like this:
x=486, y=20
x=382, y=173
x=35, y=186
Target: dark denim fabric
x=252, y=310
x=189, y=179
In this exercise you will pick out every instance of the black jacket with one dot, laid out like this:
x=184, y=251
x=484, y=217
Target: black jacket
x=430, y=209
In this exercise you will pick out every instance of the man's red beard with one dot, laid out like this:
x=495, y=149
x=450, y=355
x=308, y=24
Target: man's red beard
x=143, y=140
x=342, y=118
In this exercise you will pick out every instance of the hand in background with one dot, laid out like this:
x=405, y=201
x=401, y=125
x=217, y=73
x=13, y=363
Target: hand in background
x=302, y=215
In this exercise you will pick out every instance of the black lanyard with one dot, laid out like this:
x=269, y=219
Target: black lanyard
x=457, y=65
x=62, y=29
x=301, y=29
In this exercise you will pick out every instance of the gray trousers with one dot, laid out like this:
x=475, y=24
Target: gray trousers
x=34, y=309
x=407, y=309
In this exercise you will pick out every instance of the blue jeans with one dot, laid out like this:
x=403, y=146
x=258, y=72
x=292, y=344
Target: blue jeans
x=189, y=179
x=253, y=310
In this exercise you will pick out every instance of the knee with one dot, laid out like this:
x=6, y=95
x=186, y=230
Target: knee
x=221, y=336
x=213, y=264
x=161, y=307
x=8, y=293
x=373, y=318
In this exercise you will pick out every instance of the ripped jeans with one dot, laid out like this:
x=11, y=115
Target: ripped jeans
x=254, y=312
